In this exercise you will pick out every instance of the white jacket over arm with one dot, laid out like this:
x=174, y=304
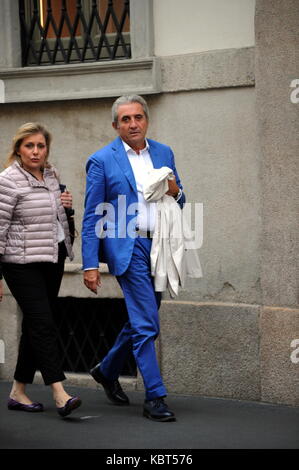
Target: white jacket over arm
x=170, y=263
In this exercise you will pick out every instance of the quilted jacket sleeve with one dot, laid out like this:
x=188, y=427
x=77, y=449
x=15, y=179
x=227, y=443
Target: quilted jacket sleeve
x=8, y=201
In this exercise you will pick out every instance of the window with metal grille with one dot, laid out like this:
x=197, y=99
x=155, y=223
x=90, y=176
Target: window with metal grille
x=57, y=32
x=87, y=329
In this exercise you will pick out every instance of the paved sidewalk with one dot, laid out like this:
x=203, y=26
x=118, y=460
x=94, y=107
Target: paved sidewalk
x=202, y=423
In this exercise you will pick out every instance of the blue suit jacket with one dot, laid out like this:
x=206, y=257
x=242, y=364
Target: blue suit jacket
x=109, y=222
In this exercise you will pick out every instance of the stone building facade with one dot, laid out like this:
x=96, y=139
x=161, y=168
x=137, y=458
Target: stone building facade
x=220, y=78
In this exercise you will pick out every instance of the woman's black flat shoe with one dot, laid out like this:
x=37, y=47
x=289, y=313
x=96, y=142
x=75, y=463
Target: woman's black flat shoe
x=16, y=405
x=70, y=406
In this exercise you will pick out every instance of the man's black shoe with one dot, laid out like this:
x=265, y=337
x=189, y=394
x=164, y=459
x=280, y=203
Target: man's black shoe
x=157, y=410
x=112, y=388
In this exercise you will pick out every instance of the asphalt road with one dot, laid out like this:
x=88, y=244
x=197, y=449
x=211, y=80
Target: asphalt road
x=202, y=423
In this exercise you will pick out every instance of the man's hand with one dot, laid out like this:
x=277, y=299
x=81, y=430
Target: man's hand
x=173, y=189
x=92, y=279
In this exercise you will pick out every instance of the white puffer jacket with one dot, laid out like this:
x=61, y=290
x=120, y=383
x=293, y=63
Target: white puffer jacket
x=28, y=217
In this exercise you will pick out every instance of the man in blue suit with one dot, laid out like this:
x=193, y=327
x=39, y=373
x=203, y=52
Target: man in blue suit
x=117, y=227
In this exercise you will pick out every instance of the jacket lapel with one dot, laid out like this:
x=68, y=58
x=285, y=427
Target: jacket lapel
x=121, y=157
x=156, y=159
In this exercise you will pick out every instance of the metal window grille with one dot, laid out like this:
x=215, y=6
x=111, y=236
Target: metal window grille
x=57, y=32
x=87, y=329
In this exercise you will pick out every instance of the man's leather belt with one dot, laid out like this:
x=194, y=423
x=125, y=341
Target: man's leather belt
x=145, y=234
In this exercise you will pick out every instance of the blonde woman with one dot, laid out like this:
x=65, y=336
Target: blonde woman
x=34, y=242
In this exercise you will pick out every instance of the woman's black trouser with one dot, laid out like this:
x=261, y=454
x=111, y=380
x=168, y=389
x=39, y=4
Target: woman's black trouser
x=35, y=287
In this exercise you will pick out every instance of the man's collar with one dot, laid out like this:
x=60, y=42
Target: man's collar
x=127, y=147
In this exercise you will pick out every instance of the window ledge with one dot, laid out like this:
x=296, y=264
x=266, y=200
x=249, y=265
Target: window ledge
x=80, y=81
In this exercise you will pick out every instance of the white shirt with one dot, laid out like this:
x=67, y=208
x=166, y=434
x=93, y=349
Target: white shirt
x=142, y=165
x=60, y=232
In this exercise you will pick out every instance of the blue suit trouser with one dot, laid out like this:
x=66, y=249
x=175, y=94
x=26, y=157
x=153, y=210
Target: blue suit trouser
x=139, y=333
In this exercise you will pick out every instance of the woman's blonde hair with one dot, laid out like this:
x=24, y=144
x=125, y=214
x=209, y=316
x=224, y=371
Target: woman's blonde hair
x=30, y=128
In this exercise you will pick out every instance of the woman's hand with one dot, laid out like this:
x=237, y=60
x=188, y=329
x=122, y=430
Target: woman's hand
x=1, y=290
x=66, y=199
